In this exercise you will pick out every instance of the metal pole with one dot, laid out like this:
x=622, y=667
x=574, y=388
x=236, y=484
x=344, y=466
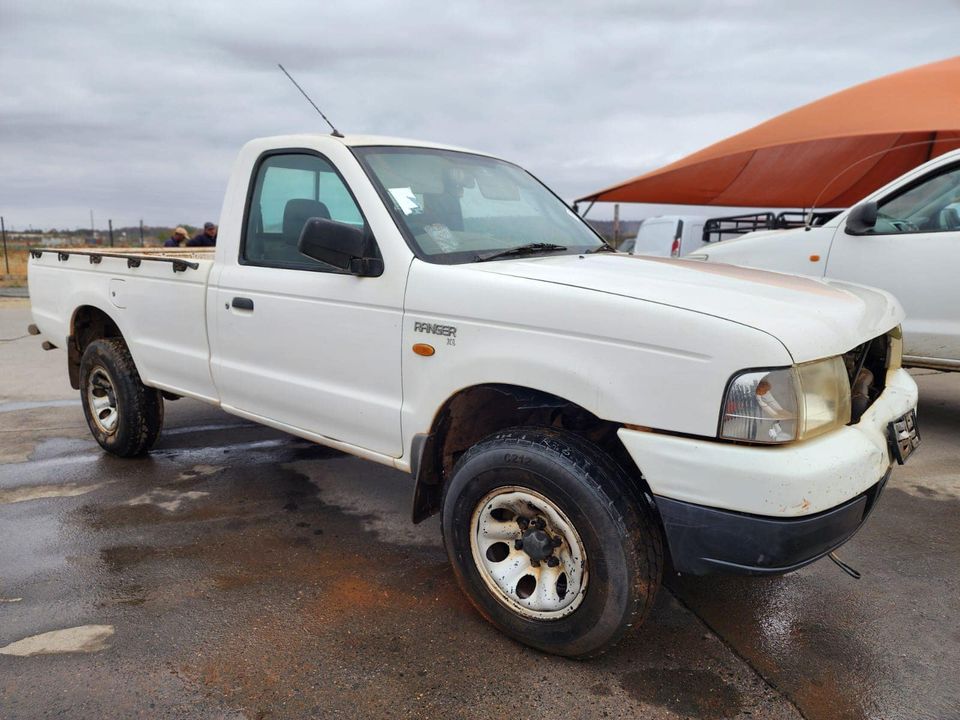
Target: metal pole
x=93, y=232
x=141, y=233
x=110, y=225
x=616, y=225
x=6, y=258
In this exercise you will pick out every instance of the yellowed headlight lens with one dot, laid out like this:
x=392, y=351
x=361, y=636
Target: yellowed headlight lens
x=784, y=404
x=895, y=349
x=825, y=394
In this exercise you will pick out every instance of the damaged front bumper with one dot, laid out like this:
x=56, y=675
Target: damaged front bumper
x=705, y=540
x=763, y=510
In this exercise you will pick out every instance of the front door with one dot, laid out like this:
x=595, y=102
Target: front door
x=299, y=342
x=914, y=253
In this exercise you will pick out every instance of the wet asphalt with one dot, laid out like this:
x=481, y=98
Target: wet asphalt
x=238, y=572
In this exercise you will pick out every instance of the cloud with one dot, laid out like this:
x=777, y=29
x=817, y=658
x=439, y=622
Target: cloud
x=135, y=110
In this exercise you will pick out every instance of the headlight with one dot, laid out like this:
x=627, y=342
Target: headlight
x=784, y=404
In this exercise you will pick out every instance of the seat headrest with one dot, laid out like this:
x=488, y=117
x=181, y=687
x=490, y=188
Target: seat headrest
x=950, y=218
x=296, y=213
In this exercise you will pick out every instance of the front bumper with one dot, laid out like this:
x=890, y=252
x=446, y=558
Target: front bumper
x=746, y=508
x=704, y=540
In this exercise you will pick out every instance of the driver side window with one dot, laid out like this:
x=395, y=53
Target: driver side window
x=291, y=188
x=930, y=205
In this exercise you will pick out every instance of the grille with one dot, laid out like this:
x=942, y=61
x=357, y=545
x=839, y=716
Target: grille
x=867, y=369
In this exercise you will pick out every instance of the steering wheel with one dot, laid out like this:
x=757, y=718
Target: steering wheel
x=906, y=226
x=900, y=225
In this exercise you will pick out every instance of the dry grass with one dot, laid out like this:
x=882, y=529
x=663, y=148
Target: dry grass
x=18, y=268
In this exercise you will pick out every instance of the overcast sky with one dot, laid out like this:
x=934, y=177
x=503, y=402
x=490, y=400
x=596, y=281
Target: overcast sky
x=136, y=109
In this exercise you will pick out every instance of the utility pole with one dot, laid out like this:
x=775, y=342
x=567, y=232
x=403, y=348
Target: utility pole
x=141, y=233
x=93, y=232
x=616, y=225
x=6, y=258
x=110, y=225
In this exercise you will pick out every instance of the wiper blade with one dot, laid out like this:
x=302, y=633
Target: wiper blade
x=528, y=249
x=603, y=248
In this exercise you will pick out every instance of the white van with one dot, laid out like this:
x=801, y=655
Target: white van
x=667, y=236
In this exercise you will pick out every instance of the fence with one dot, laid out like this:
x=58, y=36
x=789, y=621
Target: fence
x=16, y=245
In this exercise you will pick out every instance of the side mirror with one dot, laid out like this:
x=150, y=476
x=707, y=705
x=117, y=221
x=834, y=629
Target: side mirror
x=862, y=218
x=343, y=246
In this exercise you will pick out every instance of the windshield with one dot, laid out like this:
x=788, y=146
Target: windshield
x=458, y=207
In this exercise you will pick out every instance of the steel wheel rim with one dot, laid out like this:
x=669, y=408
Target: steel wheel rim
x=536, y=589
x=102, y=401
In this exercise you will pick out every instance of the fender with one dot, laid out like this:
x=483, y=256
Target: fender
x=492, y=407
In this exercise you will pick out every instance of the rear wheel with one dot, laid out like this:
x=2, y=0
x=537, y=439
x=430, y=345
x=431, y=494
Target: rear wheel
x=124, y=415
x=550, y=541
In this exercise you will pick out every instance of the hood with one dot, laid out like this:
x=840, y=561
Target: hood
x=749, y=236
x=812, y=318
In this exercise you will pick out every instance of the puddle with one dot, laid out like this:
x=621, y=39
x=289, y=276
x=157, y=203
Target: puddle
x=24, y=442
x=121, y=558
x=190, y=429
x=944, y=487
x=385, y=514
x=82, y=639
x=15, y=406
x=63, y=447
x=37, y=492
x=206, y=454
x=685, y=691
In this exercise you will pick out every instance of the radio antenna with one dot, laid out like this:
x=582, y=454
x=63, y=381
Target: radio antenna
x=335, y=133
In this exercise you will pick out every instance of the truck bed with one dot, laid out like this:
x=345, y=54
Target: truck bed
x=157, y=296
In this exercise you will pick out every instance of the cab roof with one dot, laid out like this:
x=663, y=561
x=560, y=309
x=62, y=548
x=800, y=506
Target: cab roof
x=360, y=141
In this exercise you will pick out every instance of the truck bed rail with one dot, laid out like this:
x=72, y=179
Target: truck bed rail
x=180, y=264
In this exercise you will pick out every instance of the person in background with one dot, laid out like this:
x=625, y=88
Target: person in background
x=179, y=237
x=208, y=238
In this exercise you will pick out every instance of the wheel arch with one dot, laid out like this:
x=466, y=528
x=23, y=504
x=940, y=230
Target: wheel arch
x=88, y=323
x=474, y=412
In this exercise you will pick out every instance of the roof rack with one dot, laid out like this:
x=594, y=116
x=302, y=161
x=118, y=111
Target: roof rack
x=724, y=228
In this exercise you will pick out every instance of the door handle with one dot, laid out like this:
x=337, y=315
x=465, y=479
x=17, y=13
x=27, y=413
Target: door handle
x=242, y=303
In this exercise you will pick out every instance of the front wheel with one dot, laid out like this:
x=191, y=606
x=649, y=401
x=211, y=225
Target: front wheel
x=550, y=540
x=124, y=415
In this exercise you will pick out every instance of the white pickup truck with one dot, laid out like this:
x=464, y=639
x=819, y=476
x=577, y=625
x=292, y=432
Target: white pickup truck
x=442, y=312
x=905, y=238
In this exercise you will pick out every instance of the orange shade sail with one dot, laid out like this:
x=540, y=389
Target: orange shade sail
x=829, y=153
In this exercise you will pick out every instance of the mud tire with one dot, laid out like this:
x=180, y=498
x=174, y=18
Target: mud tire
x=139, y=408
x=622, y=540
